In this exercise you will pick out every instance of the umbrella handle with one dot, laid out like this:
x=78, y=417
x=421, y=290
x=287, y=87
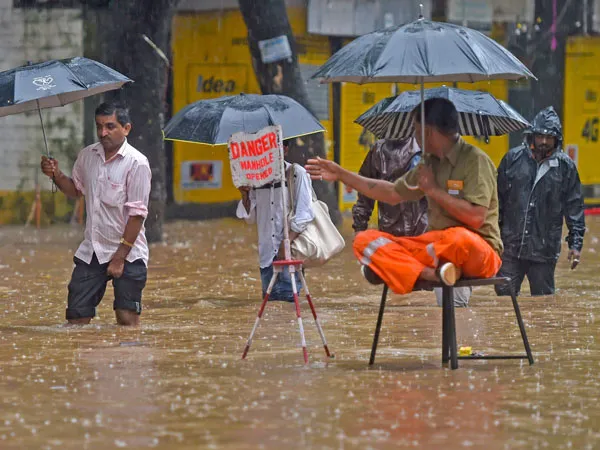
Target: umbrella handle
x=43, y=129
x=54, y=186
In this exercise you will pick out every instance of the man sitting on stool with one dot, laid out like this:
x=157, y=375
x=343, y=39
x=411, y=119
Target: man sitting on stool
x=389, y=159
x=459, y=182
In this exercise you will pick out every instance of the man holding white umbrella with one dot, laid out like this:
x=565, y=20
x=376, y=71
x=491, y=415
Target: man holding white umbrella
x=115, y=179
x=112, y=175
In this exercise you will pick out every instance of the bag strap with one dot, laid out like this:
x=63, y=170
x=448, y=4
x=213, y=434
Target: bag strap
x=291, y=186
x=314, y=194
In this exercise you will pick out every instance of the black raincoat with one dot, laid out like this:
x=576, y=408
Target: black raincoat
x=534, y=198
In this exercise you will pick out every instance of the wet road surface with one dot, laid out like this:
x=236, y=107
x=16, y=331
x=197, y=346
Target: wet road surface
x=178, y=381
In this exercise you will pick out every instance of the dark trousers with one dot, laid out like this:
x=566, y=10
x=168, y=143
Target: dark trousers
x=540, y=276
x=88, y=284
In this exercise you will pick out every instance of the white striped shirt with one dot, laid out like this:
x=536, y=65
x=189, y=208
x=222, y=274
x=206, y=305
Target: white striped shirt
x=266, y=210
x=114, y=190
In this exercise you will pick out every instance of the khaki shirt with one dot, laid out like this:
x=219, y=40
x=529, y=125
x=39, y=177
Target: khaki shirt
x=466, y=172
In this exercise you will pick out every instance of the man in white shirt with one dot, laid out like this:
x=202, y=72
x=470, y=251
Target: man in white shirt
x=115, y=179
x=263, y=206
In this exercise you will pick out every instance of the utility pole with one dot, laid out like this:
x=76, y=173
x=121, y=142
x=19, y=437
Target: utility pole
x=267, y=21
x=558, y=19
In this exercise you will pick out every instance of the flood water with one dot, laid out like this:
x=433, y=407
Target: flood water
x=178, y=381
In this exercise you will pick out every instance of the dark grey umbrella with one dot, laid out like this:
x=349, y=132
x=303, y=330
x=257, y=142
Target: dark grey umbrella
x=54, y=83
x=480, y=114
x=214, y=121
x=422, y=51
x=419, y=52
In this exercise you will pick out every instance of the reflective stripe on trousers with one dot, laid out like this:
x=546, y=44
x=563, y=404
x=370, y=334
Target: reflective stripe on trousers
x=370, y=249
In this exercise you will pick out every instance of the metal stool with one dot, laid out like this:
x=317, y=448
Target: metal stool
x=449, y=351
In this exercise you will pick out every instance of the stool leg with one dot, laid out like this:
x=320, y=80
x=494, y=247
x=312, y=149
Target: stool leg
x=314, y=312
x=378, y=326
x=260, y=312
x=297, y=303
x=521, y=324
x=445, y=328
x=449, y=298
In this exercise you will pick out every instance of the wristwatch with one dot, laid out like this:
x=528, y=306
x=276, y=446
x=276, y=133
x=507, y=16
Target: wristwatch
x=128, y=244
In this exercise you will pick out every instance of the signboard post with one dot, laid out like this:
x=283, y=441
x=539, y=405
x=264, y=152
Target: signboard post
x=257, y=159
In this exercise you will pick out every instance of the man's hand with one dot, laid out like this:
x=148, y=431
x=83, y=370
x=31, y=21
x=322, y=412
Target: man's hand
x=322, y=169
x=49, y=166
x=245, y=191
x=425, y=178
x=116, y=267
x=574, y=257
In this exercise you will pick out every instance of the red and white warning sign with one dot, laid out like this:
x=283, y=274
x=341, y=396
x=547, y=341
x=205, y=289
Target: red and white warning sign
x=255, y=158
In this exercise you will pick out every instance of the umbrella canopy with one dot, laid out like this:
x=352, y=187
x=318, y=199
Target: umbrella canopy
x=214, y=121
x=421, y=51
x=480, y=114
x=55, y=83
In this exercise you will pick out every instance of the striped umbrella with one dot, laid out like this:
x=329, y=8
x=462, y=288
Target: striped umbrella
x=480, y=114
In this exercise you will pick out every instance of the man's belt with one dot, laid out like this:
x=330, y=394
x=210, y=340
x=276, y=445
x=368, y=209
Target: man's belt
x=268, y=186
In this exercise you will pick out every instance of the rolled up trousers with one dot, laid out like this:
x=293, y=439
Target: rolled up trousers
x=400, y=260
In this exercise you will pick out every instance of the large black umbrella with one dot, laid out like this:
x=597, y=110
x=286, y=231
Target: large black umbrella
x=214, y=121
x=422, y=51
x=480, y=114
x=54, y=83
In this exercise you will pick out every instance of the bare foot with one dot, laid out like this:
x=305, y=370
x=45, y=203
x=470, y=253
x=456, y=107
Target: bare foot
x=429, y=274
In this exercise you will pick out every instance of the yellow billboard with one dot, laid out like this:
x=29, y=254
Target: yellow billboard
x=355, y=142
x=211, y=59
x=581, y=113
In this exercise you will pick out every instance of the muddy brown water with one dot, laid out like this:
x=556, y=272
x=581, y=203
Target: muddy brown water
x=178, y=381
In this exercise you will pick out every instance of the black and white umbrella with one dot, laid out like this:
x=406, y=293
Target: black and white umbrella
x=54, y=83
x=480, y=114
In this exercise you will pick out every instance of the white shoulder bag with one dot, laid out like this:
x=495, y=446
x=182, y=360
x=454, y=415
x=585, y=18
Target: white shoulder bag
x=321, y=240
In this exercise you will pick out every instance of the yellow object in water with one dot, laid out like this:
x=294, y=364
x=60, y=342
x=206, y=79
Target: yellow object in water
x=465, y=351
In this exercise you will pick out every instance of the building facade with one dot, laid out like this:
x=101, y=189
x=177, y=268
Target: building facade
x=210, y=58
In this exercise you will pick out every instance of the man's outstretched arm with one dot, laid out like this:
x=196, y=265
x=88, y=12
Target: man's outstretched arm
x=380, y=190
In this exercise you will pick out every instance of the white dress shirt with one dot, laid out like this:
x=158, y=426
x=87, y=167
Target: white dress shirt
x=266, y=210
x=114, y=190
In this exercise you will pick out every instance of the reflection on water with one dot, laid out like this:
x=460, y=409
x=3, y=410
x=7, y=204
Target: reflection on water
x=178, y=381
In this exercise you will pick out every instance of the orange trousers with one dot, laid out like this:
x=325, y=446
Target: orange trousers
x=400, y=260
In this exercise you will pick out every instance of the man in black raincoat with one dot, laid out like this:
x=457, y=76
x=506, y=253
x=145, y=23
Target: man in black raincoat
x=538, y=185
